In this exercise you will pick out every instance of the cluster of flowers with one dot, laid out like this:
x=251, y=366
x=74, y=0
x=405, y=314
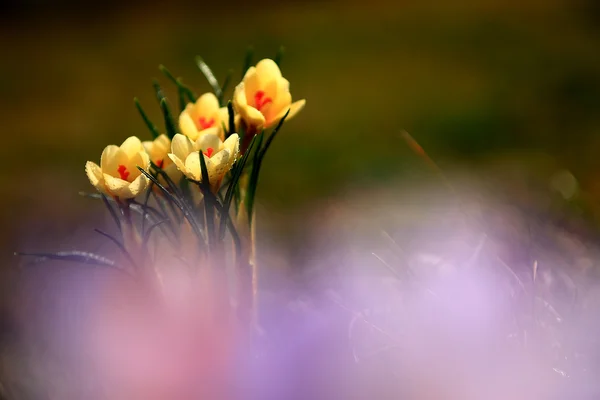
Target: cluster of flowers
x=260, y=101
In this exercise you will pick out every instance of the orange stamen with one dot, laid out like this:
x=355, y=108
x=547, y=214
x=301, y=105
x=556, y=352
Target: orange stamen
x=209, y=152
x=205, y=124
x=122, y=170
x=260, y=101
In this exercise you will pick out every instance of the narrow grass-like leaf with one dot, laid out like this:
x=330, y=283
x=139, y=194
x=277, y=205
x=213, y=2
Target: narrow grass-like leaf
x=180, y=85
x=208, y=201
x=112, y=212
x=225, y=85
x=181, y=206
x=231, y=114
x=236, y=239
x=182, y=101
x=235, y=177
x=137, y=207
x=119, y=245
x=279, y=55
x=71, y=256
x=210, y=77
x=164, y=107
x=151, y=127
x=253, y=183
x=270, y=139
x=147, y=234
x=247, y=60
x=169, y=124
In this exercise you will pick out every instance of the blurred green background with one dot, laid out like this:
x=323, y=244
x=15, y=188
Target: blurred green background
x=476, y=82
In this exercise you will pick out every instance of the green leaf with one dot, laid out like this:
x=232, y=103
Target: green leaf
x=164, y=107
x=270, y=139
x=231, y=115
x=112, y=212
x=247, y=60
x=119, y=245
x=180, y=85
x=182, y=101
x=151, y=127
x=71, y=256
x=225, y=85
x=147, y=234
x=210, y=77
x=253, y=183
x=182, y=206
x=235, y=177
x=208, y=201
x=279, y=55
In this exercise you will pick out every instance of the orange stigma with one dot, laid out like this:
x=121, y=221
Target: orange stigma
x=122, y=170
x=160, y=163
x=204, y=123
x=260, y=100
x=209, y=152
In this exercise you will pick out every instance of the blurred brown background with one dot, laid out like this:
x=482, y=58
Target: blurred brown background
x=478, y=83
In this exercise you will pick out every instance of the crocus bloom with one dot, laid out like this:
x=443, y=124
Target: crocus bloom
x=204, y=116
x=263, y=97
x=158, y=150
x=219, y=156
x=117, y=175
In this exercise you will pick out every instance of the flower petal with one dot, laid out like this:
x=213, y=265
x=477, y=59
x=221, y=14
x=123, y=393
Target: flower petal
x=179, y=163
x=206, y=105
x=294, y=108
x=94, y=174
x=132, y=145
x=232, y=145
x=192, y=165
x=250, y=81
x=136, y=187
x=218, y=166
x=111, y=157
x=209, y=140
x=187, y=126
x=115, y=186
x=267, y=70
x=279, y=107
x=181, y=146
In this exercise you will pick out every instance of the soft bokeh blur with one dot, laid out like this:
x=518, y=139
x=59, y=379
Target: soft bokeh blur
x=474, y=82
x=504, y=92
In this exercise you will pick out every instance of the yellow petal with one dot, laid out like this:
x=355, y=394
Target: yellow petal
x=163, y=143
x=279, y=107
x=214, y=131
x=115, y=186
x=267, y=69
x=140, y=159
x=206, y=105
x=192, y=165
x=294, y=109
x=181, y=146
x=249, y=114
x=218, y=165
x=132, y=145
x=172, y=171
x=207, y=141
x=135, y=188
x=94, y=174
x=111, y=157
x=232, y=145
x=187, y=126
x=179, y=163
x=251, y=81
